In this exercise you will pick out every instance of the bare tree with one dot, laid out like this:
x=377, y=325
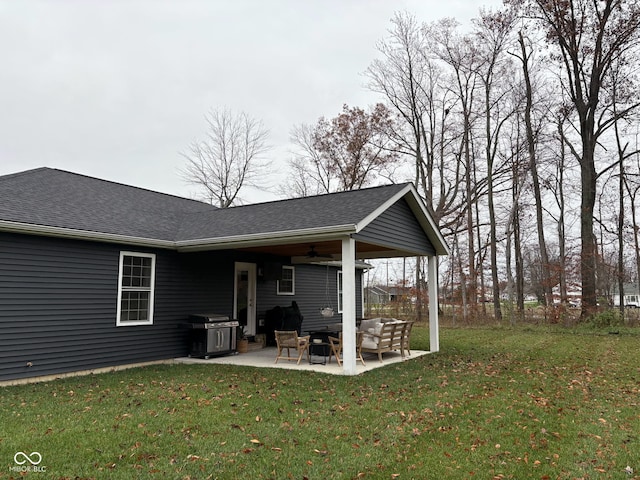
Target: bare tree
x=230, y=158
x=309, y=172
x=533, y=168
x=493, y=30
x=590, y=36
x=462, y=57
x=515, y=286
x=556, y=185
x=413, y=86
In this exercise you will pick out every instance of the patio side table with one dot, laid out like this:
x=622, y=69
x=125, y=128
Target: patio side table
x=319, y=350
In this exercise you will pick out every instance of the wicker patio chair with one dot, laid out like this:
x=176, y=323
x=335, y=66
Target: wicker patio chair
x=289, y=340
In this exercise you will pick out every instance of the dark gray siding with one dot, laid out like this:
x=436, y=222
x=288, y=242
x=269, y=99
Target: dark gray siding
x=312, y=293
x=58, y=305
x=398, y=227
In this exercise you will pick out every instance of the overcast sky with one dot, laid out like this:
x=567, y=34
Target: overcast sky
x=117, y=89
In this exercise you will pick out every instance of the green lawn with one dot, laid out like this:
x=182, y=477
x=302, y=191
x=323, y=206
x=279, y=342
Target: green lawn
x=495, y=403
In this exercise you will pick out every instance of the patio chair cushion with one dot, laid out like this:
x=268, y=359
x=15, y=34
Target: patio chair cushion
x=371, y=334
x=369, y=342
x=367, y=324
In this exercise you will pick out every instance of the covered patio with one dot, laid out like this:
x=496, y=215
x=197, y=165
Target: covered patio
x=383, y=222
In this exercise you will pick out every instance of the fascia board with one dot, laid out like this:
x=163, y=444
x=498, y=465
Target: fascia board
x=261, y=239
x=415, y=202
x=268, y=238
x=76, y=234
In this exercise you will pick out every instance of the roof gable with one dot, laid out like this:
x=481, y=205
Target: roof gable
x=397, y=227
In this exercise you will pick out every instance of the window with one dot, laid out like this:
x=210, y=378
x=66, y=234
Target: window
x=287, y=284
x=339, y=291
x=136, y=281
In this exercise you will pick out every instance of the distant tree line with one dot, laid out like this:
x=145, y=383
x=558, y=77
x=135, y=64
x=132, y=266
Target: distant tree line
x=521, y=135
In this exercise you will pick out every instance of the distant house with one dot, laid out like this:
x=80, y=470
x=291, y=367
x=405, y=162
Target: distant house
x=376, y=295
x=96, y=274
x=631, y=293
x=382, y=295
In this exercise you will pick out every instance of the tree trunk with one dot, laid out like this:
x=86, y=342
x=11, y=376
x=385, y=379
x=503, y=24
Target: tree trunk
x=588, y=253
x=493, y=242
x=621, y=236
x=517, y=243
x=531, y=147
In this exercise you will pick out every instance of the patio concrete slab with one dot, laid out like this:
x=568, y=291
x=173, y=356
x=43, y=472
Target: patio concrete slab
x=265, y=358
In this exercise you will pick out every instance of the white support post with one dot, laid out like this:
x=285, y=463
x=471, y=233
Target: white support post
x=434, y=334
x=349, y=306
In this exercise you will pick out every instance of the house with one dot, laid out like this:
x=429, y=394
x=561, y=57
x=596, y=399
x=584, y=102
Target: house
x=377, y=295
x=96, y=274
x=631, y=293
x=381, y=295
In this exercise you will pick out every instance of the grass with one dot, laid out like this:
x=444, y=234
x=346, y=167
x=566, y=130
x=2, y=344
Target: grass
x=494, y=403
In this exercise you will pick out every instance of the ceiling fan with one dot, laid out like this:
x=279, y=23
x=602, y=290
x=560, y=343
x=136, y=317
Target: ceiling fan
x=312, y=253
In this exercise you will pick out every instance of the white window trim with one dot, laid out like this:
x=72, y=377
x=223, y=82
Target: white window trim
x=150, y=289
x=339, y=291
x=293, y=282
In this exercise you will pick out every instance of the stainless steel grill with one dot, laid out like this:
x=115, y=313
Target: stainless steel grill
x=211, y=334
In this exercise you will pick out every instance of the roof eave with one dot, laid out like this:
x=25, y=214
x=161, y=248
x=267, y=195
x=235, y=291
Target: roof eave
x=416, y=203
x=267, y=238
x=77, y=234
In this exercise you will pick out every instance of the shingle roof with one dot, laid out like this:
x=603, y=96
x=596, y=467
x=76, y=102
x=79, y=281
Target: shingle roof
x=332, y=210
x=56, y=198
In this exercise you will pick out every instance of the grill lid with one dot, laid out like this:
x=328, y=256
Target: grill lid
x=208, y=318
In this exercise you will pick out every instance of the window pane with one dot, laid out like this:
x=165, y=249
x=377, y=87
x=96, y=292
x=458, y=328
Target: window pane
x=134, y=306
x=136, y=272
x=286, y=284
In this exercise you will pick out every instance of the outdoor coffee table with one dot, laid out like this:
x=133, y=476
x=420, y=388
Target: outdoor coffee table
x=320, y=350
